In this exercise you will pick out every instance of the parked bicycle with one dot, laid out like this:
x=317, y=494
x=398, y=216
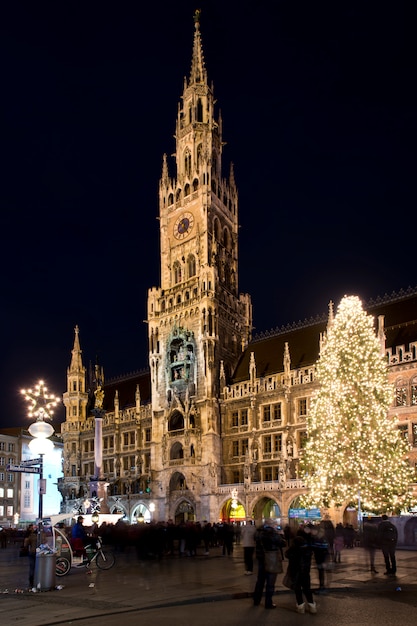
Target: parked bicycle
x=103, y=558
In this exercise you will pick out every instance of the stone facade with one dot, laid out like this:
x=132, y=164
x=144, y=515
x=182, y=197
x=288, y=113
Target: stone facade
x=215, y=428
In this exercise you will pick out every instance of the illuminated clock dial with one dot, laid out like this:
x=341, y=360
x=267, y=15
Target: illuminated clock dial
x=183, y=225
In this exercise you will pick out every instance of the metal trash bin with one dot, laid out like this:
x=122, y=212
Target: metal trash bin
x=45, y=572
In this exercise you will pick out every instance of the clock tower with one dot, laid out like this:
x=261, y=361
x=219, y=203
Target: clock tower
x=198, y=323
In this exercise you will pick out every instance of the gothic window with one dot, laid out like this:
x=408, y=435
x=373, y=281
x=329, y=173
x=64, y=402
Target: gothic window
x=235, y=448
x=235, y=419
x=171, y=199
x=400, y=393
x=414, y=434
x=177, y=451
x=277, y=443
x=277, y=409
x=191, y=266
x=178, y=195
x=199, y=111
x=414, y=392
x=210, y=322
x=216, y=229
x=176, y=421
x=177, y=272
x=187, y=190
x=195, y=184
x=403, y=428
x=148, y=435
x=236, y=476
x=199, y=155
x=267, y=472
x=302, y=439
x=244, y=417
x=179, y=298
x=226, y=239
x=187, y=166
x=267, y=440
x=267, y=413
x=244, y=446
x=302, y=407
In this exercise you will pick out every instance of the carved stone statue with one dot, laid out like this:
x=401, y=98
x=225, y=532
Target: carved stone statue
x=99, y=397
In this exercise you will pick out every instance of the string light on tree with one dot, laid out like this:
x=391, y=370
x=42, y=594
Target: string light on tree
x=354, y=447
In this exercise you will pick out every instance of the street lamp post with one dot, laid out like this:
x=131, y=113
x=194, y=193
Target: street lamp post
x=41, y=407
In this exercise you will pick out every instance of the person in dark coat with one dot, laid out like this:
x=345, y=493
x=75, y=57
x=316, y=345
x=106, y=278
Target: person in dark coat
x=30, y=542
x=267, y=538
x=299, y=565
x=321, y=553
x=387, y=539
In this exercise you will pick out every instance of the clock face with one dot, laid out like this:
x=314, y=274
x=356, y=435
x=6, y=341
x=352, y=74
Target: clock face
x=183, y=225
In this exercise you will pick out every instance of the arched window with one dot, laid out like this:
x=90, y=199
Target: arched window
x=187, y=190
x=177, y=272
x=195, y=184
x=187, y=162
x=177, y=451
x=216, y=229
x=199, y=111
x=191, y=266
x=226, y=239
x=176, y=421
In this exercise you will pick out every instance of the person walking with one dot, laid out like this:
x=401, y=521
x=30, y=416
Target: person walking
x=299, y=565
x=267, y=538
x=387, y=539
x=321, y=553
x=248, y=532
x=30, y=542
x=370, y=543
x=339, y=542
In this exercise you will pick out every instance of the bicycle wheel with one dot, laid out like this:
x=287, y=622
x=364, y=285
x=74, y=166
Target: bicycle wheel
x=62, y=566
x=105, y=559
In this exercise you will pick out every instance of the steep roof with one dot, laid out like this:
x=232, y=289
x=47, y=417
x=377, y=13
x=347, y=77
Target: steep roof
x=126, y=388
x=400, y=323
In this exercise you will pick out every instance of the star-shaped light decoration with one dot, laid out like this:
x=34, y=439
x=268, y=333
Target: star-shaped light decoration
x=42, y=404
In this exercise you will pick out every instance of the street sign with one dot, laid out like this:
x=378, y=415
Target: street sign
x=22, y=468
x=31, y=462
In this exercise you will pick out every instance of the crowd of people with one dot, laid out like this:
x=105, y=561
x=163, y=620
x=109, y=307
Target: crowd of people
x=321, y=544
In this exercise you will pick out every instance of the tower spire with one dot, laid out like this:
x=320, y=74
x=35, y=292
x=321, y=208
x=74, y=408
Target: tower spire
x=198, y=72
x=76, y=358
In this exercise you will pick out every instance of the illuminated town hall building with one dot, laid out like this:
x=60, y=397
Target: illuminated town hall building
x=215, y=428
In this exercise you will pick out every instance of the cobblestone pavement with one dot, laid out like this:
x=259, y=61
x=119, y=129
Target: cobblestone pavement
x=201, y=585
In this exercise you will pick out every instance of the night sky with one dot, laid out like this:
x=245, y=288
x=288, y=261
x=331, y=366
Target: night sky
x=319, y=114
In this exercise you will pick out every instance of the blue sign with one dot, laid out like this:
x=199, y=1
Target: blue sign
x=305, y=513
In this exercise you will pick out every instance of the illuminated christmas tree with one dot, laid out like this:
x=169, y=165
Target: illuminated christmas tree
x=354, y=449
